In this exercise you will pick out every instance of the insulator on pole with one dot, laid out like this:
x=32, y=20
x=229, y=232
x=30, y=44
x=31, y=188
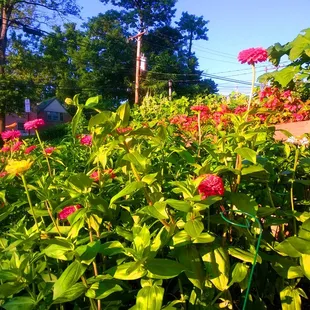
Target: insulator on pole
x=142, y=63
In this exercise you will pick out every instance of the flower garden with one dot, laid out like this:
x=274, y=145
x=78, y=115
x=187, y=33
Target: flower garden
x=184, y=204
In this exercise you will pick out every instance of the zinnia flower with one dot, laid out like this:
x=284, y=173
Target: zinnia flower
x=292, y=140
x=10, y=134
x=200, y=108
x=110, y=172
x=86, y=140
x=18, y=166
x=62, y=215
x=34, y=124
x=304, y=141
x=253, y=55
x=29, y=149
x=16, y=146
x=211, y=185
x=123, y=130
x=95, y=176
x=49, y=150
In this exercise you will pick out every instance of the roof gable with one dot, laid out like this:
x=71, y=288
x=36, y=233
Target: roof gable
x=51, y=105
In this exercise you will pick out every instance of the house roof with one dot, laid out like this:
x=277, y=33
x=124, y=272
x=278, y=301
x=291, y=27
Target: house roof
x=44, y=104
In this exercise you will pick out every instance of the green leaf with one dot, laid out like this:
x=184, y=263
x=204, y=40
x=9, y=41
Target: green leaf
x=103, y=289
x=247, y=153
x=150, y=297
x=239, y=273
x=137, y=159
x=111, y=248
x=181, y=238
x=88, y=252
x=304, y=231
x=286, y=75
x=80, y=182
x=290, y=299
x=129, y=189
x=179, y=205
x=285, y=248
x=20, y=303
x=194, y=227
x=299, y=45
x=245, y=256
x=305, y=264
x=9, y=275
x=287, y=268
x=127, y=271
x=204, y=238
x=68, y=278
x=301, y=245
x=244, y=203
x=76, y=119
x=100, y=118
x=73, y=292
x=62, y=252
x=265, y=211
x=255, y=172
x=124, y=113
x=160, y=268
x=158, y=210
x=93, y=101
x=8, y=289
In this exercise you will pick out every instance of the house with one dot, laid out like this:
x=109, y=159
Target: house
x=51, y=111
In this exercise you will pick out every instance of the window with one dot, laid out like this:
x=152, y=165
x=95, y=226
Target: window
x=20, y=126
x=54, y=116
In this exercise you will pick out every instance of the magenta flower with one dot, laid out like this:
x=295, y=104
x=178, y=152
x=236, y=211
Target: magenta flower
x=10, y=134
x=34, y=124
x=63, y=215
x=211, y=185
x=86, y=140
x=253, y=55
x=5, y=149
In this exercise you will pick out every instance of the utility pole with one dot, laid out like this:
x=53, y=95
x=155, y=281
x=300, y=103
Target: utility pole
x=138, y=60
x=170, y=89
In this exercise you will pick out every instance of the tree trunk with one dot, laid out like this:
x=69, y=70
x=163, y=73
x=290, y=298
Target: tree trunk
x=5, y=17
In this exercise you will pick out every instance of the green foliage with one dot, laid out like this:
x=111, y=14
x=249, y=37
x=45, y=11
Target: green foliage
x=121, y=221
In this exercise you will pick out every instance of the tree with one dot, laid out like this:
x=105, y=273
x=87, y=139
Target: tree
x=192, y=28
x=27, y=15
x=147, y=13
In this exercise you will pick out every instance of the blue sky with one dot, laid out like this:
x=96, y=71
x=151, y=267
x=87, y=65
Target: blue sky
x=235, y=25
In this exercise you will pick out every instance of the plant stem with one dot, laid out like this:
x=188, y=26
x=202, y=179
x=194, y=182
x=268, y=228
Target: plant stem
x=92, y=302
x=252, y=87
x=29, y=201
x=292, y=190
x=199, y=132
x=52, y=218
x=42, y=147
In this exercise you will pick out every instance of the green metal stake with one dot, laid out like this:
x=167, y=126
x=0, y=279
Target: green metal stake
x=247, y=225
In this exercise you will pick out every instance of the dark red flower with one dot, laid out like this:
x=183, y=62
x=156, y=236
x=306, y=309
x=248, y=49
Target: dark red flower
x=10, y=134
x=200, y=108
x=124, y=130
x=240, y=109
x=211, y=185
x=34, y=124
x=29, y=149
x=49, y=150
x=253, y=55
x=62, y=215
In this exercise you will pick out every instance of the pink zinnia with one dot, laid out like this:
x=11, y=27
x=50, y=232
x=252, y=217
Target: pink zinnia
x=253, y=55
x=34, y=124
x=10, y=134
x=95, y=176
x=29, y=149
x=200, y=108
x=16, y=146
x=49, y=150
x=62, y=215
x=86, y=140
x=211, y=185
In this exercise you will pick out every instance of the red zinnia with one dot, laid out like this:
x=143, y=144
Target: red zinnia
x=95, y=176
x=10, y=134
x=29, y=149
x=62, y=215
x=34, y=124
x=123, y=130
x=86, y=140
x=49, y=150
x=211, y=185
x=5, y=149
x=3, y=174
x=201, y=108
x=253, y=55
